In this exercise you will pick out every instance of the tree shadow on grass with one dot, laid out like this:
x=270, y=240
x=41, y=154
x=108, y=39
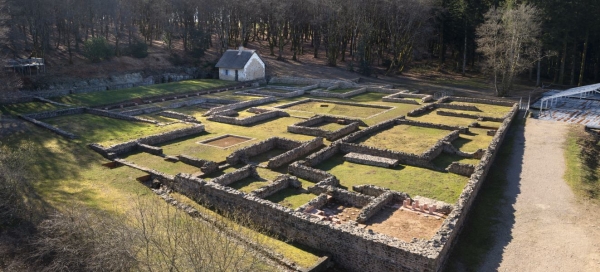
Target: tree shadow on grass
x=488, y=229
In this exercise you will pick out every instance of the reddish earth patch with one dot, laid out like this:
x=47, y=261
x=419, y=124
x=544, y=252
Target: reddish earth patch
x=226, y=141
x=404, y=224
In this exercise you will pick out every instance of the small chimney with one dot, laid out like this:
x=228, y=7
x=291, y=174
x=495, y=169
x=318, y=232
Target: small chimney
x=240, y=50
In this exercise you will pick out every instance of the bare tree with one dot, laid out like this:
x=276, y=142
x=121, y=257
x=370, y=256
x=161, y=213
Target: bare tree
x=509, y=41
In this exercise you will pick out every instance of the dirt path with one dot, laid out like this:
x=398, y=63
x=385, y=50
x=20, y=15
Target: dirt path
x=542, y=226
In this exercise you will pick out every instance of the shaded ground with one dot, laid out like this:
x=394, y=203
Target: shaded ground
x=539, y=219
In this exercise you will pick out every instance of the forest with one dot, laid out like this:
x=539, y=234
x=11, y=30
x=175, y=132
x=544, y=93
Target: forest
x=388, y=33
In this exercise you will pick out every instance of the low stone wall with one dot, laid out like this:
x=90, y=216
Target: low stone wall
x=400, y=100
x=402, y=157
x=308, y=173
x=402, y=121
x=482, y=101
x=44, y=100
x=305, y=128
x=179, y=116
x=129, y=146
x=334, y=102
x=446, y=236
x=338, y=95
x=56, y=113
x=235, y=176
x=154, y=150
x=315, y=203
x=141, y=111
x=323, y=154
x=206, y=166
x=469, y=116
x=368, y=131
x=120, y=116
x=371, y=160
x=345, y=197
x=243, y=154
x=322, y=83
x=401, y=97
x=461, y=169
x=422, y=110
x=437, y=149
x=451, y=149
x=261, y=91
x=374, y=206
x=463, y=107
x=369, y=189
x=248, y=120
x=385, y=90
x=280, y=183
x=49, y=127
x=240, y=105
x=295, y=153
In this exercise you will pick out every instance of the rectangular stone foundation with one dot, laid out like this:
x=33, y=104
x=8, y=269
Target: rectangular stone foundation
x=371, y=160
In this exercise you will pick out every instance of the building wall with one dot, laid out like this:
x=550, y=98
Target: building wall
x=254, y=69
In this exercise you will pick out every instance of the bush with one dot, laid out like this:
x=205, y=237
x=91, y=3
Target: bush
x=97, y=49
x=139, y=50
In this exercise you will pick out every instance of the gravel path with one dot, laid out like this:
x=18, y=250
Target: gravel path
x=542, y=226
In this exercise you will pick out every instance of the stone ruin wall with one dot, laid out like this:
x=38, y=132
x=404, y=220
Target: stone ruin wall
x=56, y=113
x=296, y=153
x=178, y=116
x=116, y=115
x=402, y=121
x=154, y=150
x=248, y=120
x=353, y=248
x=470, y=116
x=305, y=128
x=338, y=95
x=129, y=146
x=322, y=83
x=47, y=126
x=438, y=147
x=481, y=101
x=463, y=107
x=206, y=166
x=235, y=176
x=461, y=169
x=374, y=207
x=241, y=155
x=446, y=236
x=334, y=135
x=280, y=183
x=308, y=173
x=141, y=111
x=371, y=160
x=239, y=105
x=342, y=196
x=322, y=155
x=315, y=203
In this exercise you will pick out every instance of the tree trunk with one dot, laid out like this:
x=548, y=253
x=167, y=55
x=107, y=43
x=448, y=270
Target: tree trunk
x=464, y=64
x=563, y=60
x=583, y=56
x=573, y=54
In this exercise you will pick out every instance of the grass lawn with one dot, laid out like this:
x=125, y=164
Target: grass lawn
x=412, y=180
x=114, y=96
x=250, y=184
x=158, y=118
x=486, y=110
x=342, y=90
x=433, y=117
x=195, y=111
x=158, y=163
x=291, y=197
x=444, y=160
x=404, y=138
x=337, y=109
x=29, y=107
x=477, y=138
x=329, y=126
x=107, y=131
x=584, y=181
x=259, y=132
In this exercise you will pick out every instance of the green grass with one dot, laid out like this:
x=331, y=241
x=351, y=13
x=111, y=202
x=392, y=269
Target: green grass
x=584, y=181
x=291, y=197
x=259, y=132
x=158, y=118
x=444, y=160
x=29, y=107
x=329, y=126
x=158, y=163
x=477, y=236
x=114, y=96
x=337, y=109
x=412, y=180
x=250, y=184
x=485, y=109
x=433, y=117
x=107, y=131
x=342, y=90
x=477, y=138
x=409, y=139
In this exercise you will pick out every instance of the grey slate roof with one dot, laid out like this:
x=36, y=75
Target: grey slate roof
x=231, y=59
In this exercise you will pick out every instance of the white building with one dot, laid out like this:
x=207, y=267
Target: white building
x=241, y=65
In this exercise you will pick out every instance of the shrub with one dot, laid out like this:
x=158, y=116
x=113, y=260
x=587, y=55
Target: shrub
x=97, y=49
x=138, y=50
